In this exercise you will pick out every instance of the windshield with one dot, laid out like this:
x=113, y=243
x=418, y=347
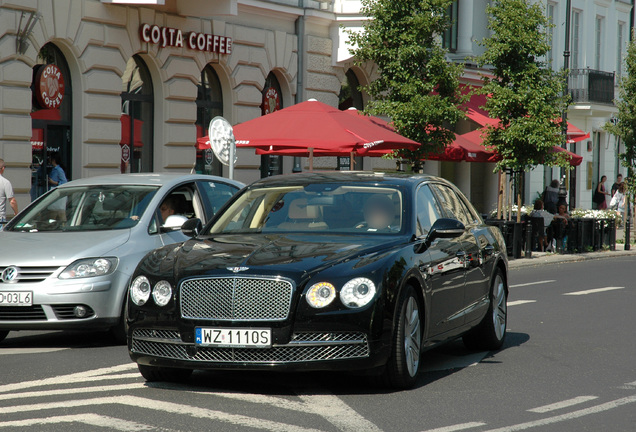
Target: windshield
x=86, y=208
x=317, y=208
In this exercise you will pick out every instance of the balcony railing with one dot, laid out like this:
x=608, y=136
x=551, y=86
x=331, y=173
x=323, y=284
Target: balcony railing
x=588, y=85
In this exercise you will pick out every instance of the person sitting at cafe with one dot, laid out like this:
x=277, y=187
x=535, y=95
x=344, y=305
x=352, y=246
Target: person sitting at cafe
x=539, y=212
x=560, y=225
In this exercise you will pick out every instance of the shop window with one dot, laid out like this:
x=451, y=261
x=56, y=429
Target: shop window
x=51, y=116
x=272, y=101
x=137, y=111
x=209, y=105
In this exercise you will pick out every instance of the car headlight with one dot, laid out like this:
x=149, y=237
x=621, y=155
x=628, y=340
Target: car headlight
x=140, y=290
x=89, y=267
x=357, y=292
x=162, y=292
x=321, y=294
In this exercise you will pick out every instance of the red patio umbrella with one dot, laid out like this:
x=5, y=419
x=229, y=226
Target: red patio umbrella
x=463, y=149
x=313, y=128
x=475, y=138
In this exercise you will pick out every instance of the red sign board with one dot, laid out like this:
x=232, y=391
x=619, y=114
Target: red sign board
x=49, y=86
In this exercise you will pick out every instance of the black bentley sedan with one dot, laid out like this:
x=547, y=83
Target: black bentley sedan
x=314, y=271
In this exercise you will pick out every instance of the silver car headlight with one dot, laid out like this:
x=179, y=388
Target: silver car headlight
x=140, y=290
x=89, y=267
x=357, y=292
x=162, y=292
x=321, y=294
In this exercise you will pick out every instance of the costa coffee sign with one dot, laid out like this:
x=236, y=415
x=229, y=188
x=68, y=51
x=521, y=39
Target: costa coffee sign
x=49, y=86
x=167, y=36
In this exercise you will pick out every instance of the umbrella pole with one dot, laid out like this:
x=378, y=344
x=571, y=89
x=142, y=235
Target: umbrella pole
x=311, y=159
x=351, y=161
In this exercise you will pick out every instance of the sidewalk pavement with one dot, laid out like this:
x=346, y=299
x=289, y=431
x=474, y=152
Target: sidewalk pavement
x=542, y=258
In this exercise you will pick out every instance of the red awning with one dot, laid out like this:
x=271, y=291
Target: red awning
x=125, y=131
x=47, y=114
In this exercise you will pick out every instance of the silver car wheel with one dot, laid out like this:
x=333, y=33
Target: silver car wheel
x=412, y=336
x=500, y=309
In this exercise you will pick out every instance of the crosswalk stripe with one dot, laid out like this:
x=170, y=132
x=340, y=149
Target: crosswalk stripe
x=458, y=427
x=165, y=407
x=72, y=391
x=563, y=404
x=520, y=302
x=531, y=283
x=108, y=423
x=593, y=291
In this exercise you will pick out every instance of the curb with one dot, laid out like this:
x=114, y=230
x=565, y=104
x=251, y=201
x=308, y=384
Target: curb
x=543, y=258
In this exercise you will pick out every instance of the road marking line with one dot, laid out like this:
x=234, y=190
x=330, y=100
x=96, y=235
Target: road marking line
x=87, y=418
x=73, y=391
x=563, y=404
x=165, y=407
x=531, y=283
x=520, y=302
x=92, y=375
x=569, y=416
x=594, y=291
x=457, y=427
x=338, y=413
x=30, y=351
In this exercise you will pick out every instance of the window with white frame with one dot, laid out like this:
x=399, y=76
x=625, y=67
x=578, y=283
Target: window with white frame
x=598, y=42
x=620, y=46
x=551, y=13
x=575, y=40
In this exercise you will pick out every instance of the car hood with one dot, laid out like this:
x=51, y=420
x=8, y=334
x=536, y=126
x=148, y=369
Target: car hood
x=292, y=255
x=57, y=248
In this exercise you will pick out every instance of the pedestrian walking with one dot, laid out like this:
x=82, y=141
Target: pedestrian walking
x=600, y=193
x=619, y=180
x=6, y=194
x=57, y=176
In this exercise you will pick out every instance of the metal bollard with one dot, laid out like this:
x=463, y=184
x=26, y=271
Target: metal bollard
x=528, y=253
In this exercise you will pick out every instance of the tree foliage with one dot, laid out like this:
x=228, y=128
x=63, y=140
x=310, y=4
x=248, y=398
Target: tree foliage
x=417, y=87
x=524, y=94
x=625, y=128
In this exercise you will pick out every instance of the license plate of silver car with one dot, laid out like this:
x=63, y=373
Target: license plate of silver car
x=16, y=298
x=233, y=337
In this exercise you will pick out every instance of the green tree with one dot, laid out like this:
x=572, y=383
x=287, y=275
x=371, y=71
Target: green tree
x=625, y=128
x=524, y=94
x=417, y=87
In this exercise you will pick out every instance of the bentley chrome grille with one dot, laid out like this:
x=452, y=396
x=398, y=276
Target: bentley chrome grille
x=304, y=347
x=236, y=298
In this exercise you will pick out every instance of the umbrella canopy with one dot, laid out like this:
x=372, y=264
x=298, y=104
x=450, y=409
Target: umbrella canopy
x=318, y=126
x=464, y=149
x=475, y=138
x=479, y=115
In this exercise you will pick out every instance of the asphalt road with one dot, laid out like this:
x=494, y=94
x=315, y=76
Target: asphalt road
x=569, y=364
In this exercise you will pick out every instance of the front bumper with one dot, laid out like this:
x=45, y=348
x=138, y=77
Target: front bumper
x=311, y=350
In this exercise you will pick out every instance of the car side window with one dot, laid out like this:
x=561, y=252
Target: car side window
x=428, y=210
x=215, y=194
x=452, y=204
x=183, y=201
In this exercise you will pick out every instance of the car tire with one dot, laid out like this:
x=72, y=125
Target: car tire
x=490, y=333
x=154, y=373
x=3, y=334
x=403, y=367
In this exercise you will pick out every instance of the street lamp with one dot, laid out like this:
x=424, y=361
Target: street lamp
x=566, y=69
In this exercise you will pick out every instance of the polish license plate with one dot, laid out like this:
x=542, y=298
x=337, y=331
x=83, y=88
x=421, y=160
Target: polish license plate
x=233, y=337
x=16, y=298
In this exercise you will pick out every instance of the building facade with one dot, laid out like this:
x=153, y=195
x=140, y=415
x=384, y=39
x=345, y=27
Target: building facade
x=127, y=86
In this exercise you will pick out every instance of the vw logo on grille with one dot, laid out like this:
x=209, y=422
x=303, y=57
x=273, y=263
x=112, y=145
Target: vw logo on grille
x=10, y=274
x=237, y=269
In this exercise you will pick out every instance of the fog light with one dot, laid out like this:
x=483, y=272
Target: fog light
x=80, y=311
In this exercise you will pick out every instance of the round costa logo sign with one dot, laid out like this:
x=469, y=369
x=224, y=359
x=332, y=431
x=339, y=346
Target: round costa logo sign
x=49, y=86
x=271, y=101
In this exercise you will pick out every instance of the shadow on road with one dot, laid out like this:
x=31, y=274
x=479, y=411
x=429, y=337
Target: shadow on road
x=436, y=365
x=58, y=339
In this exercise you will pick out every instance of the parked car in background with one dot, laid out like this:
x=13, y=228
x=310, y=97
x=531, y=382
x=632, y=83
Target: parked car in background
x=347, y=271
x=66, y=259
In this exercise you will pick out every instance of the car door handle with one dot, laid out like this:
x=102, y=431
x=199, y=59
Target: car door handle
x=489, y=250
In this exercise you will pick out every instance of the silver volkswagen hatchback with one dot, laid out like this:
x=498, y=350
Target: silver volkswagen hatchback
x=66, y=259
